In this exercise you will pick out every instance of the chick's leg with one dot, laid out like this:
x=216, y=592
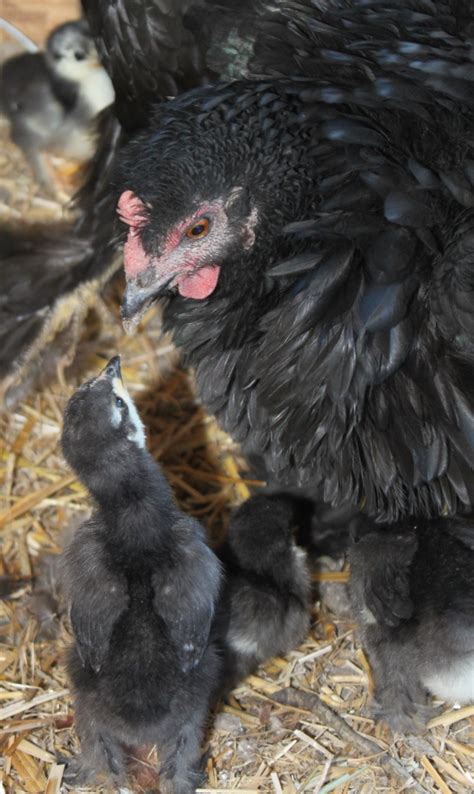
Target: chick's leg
x=101, y=753
x=40, y=171
x=400, y=698
x=180, y=768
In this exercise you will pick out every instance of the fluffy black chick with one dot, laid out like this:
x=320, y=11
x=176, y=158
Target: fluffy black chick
x=264, y=608
x=52, y=98
x=412, y=588
x=311, y=236
x=142, y=586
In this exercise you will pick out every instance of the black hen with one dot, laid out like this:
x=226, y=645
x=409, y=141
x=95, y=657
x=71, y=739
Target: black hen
x=142, y=587
x=412, y=588
x=313, y=235
x=326, y=300
x=50, y=281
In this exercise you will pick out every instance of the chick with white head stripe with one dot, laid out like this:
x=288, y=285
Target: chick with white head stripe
x=142, y=587
x=159, y=634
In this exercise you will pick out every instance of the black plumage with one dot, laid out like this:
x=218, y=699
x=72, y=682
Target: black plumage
x=347, y=381
x=51, y=98
x=142, y=587
x=412, y=589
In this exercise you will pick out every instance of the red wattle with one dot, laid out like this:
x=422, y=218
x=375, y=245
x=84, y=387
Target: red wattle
x=200, y=284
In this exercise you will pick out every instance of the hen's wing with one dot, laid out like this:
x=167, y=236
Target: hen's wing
x=50, y=280
x=97, y=597
x=186, y=593
x=370, y=361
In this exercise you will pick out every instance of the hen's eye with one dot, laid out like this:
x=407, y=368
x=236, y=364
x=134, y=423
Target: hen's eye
x=119, y=402
x=199, y=229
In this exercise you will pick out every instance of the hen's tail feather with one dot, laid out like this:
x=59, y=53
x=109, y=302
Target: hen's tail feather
x=63, y=269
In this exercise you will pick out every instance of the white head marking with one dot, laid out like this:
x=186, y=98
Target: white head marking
x=137, y=434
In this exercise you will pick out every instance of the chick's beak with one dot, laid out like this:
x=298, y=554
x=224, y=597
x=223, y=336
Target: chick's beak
x=112, y=369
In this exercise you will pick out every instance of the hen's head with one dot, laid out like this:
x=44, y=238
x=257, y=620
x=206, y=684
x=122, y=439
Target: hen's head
x=204, y=200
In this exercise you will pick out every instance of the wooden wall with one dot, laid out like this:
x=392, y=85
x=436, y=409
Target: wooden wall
x=37, y=17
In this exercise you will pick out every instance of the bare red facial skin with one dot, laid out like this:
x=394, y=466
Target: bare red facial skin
x=176, y=234
x=135, y=260
x=198, y=283
x=132, y=211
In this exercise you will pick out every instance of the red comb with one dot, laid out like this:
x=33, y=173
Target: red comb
x=131, y=209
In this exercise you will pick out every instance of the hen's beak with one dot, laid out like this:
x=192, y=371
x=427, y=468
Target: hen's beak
x=138, y=298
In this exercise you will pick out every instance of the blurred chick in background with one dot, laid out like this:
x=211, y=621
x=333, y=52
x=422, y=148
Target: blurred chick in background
x=51, y=98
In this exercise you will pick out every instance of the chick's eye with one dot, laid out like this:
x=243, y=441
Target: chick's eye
x=199, y=229
x=79, y=56
x=119, y=402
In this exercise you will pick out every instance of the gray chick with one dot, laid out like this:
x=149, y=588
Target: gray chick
x=51, y=99
x=412, y=589
x=142, y=585
x=264, y=609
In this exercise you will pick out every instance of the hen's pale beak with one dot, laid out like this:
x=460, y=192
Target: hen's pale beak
x=138, y=298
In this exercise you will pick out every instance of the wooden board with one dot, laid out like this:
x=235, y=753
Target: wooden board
x=36, y=18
